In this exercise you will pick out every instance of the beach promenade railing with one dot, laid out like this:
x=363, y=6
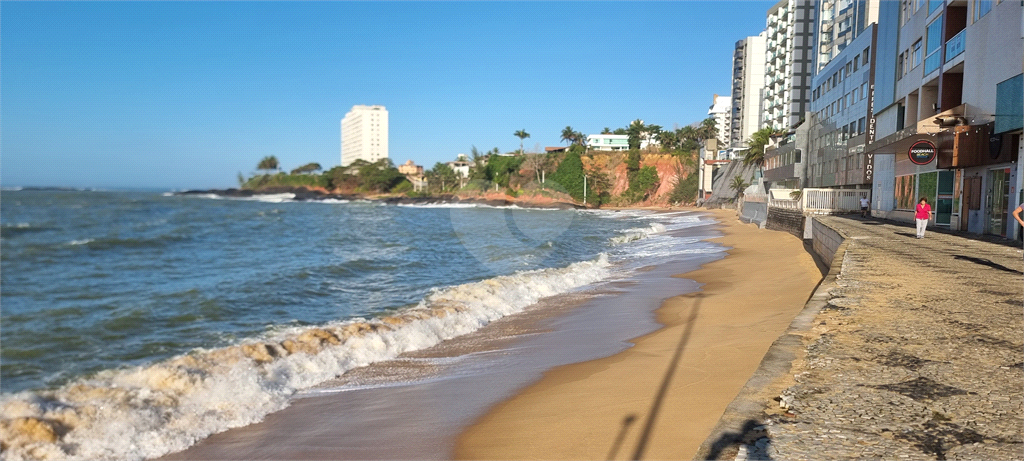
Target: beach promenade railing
x=784, y=198
x=830, y=201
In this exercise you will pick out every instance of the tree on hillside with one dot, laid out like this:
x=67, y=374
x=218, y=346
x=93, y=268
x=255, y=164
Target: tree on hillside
x=668, y=140
x=341, y=178
x=521, y=134
x=632, y=161
x=635, y=132
x=307, y=168
x=535, y=163
x=708, y=128
x=268, y=163
x=568, y=134
x=441, y=178
x=685, y=190
x=501, y=169
x=478, y=164
x=569, y=174
x=606, y=130
x=379, y=176
x=642, y=184
x=650, y=133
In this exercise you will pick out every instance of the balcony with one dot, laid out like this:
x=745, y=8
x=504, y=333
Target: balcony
x=955, y=45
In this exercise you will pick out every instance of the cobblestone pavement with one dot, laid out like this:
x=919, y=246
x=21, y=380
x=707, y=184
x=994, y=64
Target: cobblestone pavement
x=919, y=354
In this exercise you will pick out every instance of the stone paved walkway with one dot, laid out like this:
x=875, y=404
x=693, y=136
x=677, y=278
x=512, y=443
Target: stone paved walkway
x=919, y=354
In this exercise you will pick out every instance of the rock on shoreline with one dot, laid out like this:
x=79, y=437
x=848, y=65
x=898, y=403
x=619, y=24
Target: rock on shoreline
x=303, y=194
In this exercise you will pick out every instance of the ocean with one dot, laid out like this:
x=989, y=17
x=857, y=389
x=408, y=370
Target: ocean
x=136, y=324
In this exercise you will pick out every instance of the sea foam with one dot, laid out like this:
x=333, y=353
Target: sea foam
x=152, y=410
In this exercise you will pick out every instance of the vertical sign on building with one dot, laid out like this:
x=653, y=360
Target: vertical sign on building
x=869, y=160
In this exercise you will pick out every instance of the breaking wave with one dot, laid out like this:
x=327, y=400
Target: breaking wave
x=630, y=235
x=152, y=410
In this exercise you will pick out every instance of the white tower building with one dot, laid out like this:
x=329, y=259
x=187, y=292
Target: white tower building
x=721, y=111
x=789, y=59
x=364, y=134
x=747, y=83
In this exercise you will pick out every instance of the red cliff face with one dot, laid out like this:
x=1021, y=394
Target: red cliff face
x=669, y=172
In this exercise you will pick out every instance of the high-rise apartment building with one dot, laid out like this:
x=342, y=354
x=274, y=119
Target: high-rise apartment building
x=747, y=82
x=721, y=112
x=789, y=63
x=839, y=23
x=364, y=134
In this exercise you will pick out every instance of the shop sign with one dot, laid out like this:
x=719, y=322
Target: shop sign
x=869, y=168
x=922, y=152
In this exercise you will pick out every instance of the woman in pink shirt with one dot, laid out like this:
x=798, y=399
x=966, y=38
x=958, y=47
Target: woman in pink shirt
x=923, y=213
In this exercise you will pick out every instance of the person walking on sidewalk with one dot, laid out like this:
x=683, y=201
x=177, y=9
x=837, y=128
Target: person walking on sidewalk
x=1017, y=212
x=922, y=215
x=864, y=204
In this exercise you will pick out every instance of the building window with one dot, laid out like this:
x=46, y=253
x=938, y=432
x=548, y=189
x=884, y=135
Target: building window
x=916, y=55
x=981, y=8
x=860, y=126
x=934, y=5
x=906, y=190
x=932, y=46
x=856, y=62
x=864, y=56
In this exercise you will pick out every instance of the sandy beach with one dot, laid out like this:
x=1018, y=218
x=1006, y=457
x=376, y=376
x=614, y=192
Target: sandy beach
x=661, y=398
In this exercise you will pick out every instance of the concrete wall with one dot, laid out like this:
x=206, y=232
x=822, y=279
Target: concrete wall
x=754, y=212
x=722, y=195
x=782, y=219
x=825, y=241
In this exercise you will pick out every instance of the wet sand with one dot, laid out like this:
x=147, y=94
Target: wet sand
x=661, y=398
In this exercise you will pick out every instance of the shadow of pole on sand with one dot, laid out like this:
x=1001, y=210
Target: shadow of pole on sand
x=626, y=422
x=663, y=390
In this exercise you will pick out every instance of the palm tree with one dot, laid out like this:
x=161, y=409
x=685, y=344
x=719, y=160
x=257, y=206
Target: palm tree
x=651, y=133
x=738, y=184
x=606, y=130
x=579, y=138
x=708, y=128
x=521, y=134
x=668, y=140
x=636, y=131
x=568, y=135
x=757, y=142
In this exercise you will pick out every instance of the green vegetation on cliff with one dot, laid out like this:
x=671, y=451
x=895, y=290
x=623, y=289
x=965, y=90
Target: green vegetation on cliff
x=610, y=177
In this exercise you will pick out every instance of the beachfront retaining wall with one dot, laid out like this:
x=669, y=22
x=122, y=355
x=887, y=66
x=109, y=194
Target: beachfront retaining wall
x=825, y=241
x=754, y=212
x=783, y=219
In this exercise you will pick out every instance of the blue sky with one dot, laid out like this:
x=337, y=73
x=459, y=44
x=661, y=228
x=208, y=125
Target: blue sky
x=176, y=95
